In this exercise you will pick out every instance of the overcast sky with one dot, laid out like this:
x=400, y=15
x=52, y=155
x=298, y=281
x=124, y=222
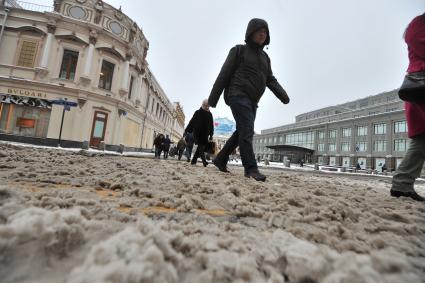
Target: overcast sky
x=322, y=52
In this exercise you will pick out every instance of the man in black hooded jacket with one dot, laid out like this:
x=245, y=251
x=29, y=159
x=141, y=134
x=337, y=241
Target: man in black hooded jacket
x=244, y=77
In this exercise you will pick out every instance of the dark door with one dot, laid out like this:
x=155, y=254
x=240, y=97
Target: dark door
x=98, y=129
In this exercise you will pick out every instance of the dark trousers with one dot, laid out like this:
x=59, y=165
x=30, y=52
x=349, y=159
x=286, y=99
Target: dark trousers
x=180, y=153
x=166, y=153
x=244, y=112
x=200, y=152
x=158, y=151
x=189, y=152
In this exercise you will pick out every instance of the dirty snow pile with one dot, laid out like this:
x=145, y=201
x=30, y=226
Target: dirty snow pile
x=88, y=217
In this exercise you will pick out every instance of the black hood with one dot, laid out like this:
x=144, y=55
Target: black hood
x=254, y=25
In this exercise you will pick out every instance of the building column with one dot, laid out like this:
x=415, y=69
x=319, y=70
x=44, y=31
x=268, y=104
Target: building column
x=125, y=75
x=44, y=62
x=338, y=160
x=85, y=78
x=370, y=162
x=353, y=161
x=390, y=162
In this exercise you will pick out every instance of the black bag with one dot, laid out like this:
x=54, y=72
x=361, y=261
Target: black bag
x=413, y=88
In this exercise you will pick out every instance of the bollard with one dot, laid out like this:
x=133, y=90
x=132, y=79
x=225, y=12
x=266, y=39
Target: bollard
x=121, y=148
x=287, y=163
x=316, y=166
x=102, y=145
x=85, y=145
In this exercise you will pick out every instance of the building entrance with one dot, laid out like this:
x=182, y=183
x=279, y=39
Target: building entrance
x=100, y=120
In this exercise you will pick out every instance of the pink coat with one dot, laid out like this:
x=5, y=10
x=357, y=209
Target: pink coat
x=415, y=39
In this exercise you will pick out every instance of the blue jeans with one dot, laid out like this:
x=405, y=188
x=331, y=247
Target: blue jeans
x=244, y=111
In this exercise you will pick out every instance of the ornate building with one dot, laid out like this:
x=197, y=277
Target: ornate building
x=78, y=70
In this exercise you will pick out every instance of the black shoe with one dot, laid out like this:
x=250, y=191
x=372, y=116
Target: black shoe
x=413, y=195
x=256, y=175
x=205, y=164
x=220, y=166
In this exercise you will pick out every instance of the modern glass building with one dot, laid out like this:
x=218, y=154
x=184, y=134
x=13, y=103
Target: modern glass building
x=371, y=131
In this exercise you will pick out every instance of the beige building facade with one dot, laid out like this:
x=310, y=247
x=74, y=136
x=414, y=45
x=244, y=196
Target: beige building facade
x=90, y=56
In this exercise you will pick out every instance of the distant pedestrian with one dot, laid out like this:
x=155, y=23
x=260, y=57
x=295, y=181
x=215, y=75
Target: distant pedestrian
x=301, y=162
x=181, y=145
x=202, y=127
x=166, y=146
x=189, y=139
x=244, y=77
x=413, y=161
x=158, y=143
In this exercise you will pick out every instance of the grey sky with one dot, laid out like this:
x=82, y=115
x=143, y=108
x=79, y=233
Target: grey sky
x=322, y=52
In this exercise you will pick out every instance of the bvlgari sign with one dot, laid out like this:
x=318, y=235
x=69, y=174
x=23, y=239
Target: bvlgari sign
x=26, y=92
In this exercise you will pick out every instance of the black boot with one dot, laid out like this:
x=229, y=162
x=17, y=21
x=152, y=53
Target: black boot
x=413, y=195
x=221, y=166
x=256, y=175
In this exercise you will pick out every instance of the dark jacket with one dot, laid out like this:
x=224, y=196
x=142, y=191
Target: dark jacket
x=188, y=138
x=201, y=125
x=158, y=141
x=181, y=144
x=166, y=144
x=250, y=74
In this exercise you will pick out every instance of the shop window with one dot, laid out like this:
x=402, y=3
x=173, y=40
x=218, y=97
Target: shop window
x=106, y=74
x=27, y=53
x=69, y=65
x=24, y=120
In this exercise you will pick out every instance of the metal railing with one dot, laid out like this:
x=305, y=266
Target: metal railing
x=28, y=6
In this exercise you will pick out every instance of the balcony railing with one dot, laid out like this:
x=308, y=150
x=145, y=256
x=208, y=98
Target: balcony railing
x=28, y=6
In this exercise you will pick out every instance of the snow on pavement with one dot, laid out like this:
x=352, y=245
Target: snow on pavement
x=83, y=216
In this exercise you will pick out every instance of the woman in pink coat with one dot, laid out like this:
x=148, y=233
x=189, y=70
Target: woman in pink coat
x=411, y=166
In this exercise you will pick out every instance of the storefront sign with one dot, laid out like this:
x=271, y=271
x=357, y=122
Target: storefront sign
x=26, y=92
x=25, y=101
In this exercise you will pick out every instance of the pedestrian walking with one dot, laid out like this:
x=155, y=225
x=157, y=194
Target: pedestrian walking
x=158, y=143
x=202, y=127
x=244, y=76
x=166, y=146
x=181, y=145
x=188, y=138
x=411, y=166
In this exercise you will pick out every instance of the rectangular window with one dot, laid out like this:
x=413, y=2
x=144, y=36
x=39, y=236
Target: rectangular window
x=321, y=147
x=302, y=139
x=321, y=135
x=346, y=132
x=27, y=53
x=106, y=74
x=380, y=146
x=380, y=129
x=401, y=145
x=400, y=127
x=332, y=147
x=345, y=146
x=69, y=65
x=130, y=88
x=332, y=134
x=361, y=131
x=361, y=146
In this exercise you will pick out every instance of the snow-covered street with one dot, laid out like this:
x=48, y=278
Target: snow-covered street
x=82, y=216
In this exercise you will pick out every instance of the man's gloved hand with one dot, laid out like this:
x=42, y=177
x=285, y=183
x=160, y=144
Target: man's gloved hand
x=211, y=104
x=285, y=99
